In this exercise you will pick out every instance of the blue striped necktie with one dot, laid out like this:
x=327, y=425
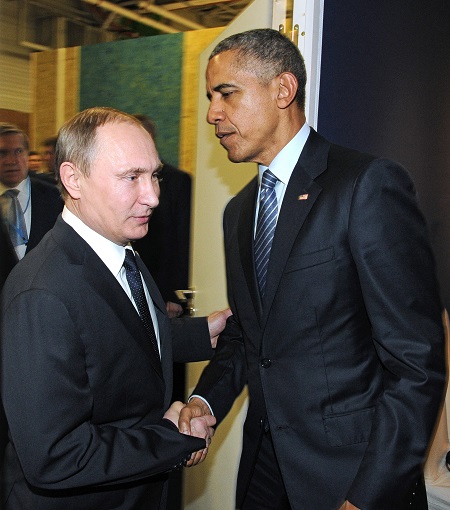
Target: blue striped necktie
x=137, y=290
x=265, y=227
x=16, y=219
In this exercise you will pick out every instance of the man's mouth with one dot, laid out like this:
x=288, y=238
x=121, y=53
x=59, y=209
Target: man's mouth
x=223, y=136
x=143, y=219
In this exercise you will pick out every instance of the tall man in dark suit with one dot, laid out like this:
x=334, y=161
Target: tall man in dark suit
x=87, y=374
x=165, y=248
x=339, y=335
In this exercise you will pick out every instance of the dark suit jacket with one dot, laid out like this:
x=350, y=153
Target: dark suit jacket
x=46, y=204
x=82, y=389
x=165, y=249
x=345, y=359
x=8, y=257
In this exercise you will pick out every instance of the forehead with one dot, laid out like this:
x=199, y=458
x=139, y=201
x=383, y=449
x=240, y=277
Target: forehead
x=12, y=139
x=223, y=63
x=230, y=67
x=126, y=144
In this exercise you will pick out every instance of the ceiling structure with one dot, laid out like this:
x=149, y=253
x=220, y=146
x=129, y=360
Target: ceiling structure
x=168, y=15
x=136, y=18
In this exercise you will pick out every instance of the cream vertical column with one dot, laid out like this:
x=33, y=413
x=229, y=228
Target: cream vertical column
x=211, y=485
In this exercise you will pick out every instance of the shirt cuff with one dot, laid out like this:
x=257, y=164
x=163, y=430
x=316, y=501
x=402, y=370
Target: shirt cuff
x=201, y=398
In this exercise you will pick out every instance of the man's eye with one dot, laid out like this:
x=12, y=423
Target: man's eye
x=157, y=176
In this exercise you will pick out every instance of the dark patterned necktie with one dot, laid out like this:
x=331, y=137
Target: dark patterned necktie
x=16, y=220
x=137, y=290
x=265, y=227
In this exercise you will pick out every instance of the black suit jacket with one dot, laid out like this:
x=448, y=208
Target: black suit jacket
x=82, y=389
x=165, y=248
x=344, y=360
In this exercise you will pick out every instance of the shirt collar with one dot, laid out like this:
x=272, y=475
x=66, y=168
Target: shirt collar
x=284, y=162
x=110, y=253
x=22, y=186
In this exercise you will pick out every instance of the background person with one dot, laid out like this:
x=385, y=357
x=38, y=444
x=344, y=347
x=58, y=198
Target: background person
x=34, y=161
x=48, y=147
x=39, y=202
x=165, y=249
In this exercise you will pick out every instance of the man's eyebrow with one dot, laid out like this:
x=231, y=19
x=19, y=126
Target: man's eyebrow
x=220, y=87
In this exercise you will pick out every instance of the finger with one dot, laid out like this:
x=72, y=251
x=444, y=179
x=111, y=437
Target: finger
x=184, y=421
x=197, y=457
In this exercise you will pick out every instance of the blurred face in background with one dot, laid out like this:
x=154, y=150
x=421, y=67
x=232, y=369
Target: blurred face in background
x=13, y=160
x=48, y=157
x=34, y=161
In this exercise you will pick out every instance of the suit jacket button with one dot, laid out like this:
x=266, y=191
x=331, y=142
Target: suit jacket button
x=265, y=363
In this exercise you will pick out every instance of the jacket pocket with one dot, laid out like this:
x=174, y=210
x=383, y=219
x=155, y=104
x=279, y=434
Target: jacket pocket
x=350, y=428
x=301, y=261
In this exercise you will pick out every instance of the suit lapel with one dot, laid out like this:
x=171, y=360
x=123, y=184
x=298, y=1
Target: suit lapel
x=300, y=197
x=245, y=240
x=105, y=285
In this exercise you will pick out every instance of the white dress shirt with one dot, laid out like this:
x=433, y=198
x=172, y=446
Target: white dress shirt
x=283, y=165
x=112, y=255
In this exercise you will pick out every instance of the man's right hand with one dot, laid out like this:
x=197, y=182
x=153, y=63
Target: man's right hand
x=190, y=416
x=195, y=409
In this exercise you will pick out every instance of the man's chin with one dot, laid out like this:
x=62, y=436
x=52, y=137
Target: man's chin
x=139, y=233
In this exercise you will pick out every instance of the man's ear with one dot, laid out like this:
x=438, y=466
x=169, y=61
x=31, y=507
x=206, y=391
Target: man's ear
x=70, y=179
x=287, y=89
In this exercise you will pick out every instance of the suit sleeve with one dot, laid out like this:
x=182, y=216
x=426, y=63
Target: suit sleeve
x=389, y=244
x=191, y=339
x=224, y=378
x=49, y=405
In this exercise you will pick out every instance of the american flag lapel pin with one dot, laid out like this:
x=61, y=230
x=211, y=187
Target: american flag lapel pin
x=303, y=197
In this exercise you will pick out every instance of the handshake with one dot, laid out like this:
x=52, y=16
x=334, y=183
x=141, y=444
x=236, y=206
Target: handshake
x=193, y=419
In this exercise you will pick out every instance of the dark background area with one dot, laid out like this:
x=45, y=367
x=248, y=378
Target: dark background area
x=385, y=89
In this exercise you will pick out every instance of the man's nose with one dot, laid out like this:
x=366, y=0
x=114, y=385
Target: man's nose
x=150, y=192
x=215, y=113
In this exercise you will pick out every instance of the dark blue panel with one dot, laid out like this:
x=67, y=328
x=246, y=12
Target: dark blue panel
x=385, y=89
